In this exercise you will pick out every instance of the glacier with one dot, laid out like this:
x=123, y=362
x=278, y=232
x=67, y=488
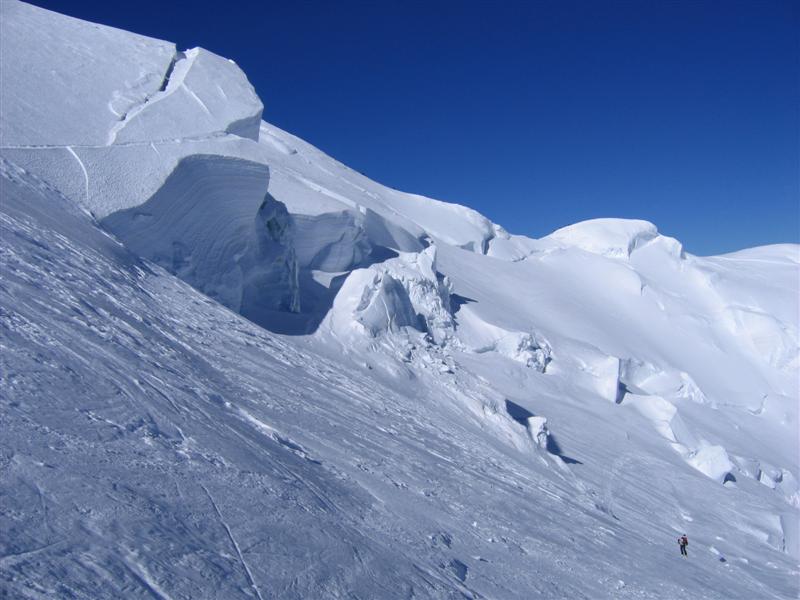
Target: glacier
x=233, y=367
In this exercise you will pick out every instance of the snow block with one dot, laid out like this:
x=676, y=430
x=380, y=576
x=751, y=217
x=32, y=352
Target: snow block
x=614, y=238
x=644, y=378
x=139, y=89
x=528, y=348
x=204, y=94
x=449, y=223
x=712, y=461
x=386, y=306
x=398, y=293
x=537, y=430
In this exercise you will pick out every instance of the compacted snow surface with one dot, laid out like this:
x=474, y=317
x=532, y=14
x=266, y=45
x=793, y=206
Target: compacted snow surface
x=234, y=368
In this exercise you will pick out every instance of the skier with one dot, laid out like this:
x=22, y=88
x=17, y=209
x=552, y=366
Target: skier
x=683, y=541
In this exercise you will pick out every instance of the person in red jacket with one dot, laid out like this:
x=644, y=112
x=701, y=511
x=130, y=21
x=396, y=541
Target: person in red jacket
x=683, y=541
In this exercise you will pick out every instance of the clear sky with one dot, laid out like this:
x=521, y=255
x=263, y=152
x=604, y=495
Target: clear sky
x=537, y=114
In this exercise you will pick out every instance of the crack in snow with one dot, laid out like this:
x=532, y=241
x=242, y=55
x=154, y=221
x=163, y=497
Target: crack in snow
x=163, y=91
x=216, y=135
x=83, y=168
x=165, y=82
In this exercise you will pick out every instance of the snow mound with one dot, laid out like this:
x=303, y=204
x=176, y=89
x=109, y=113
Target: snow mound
x=615, y=238
x=775, y=341
x=450, y=223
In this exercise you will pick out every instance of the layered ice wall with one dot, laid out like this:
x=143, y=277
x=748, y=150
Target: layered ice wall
x=213, y=224
x=160, y=149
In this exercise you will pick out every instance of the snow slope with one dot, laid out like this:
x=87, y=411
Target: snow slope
x=458, y=412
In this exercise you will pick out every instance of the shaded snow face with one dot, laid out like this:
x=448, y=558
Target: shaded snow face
x=213, y=225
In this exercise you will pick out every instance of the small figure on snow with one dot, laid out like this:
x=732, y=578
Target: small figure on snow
x=683, y=541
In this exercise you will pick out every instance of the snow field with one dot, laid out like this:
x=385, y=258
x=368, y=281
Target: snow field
x=458, y=411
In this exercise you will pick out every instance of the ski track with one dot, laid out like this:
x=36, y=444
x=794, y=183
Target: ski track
x=145, y=579
x=234, y=543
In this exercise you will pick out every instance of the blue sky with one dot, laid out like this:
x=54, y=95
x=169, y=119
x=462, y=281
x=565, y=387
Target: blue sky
x=537, y=114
